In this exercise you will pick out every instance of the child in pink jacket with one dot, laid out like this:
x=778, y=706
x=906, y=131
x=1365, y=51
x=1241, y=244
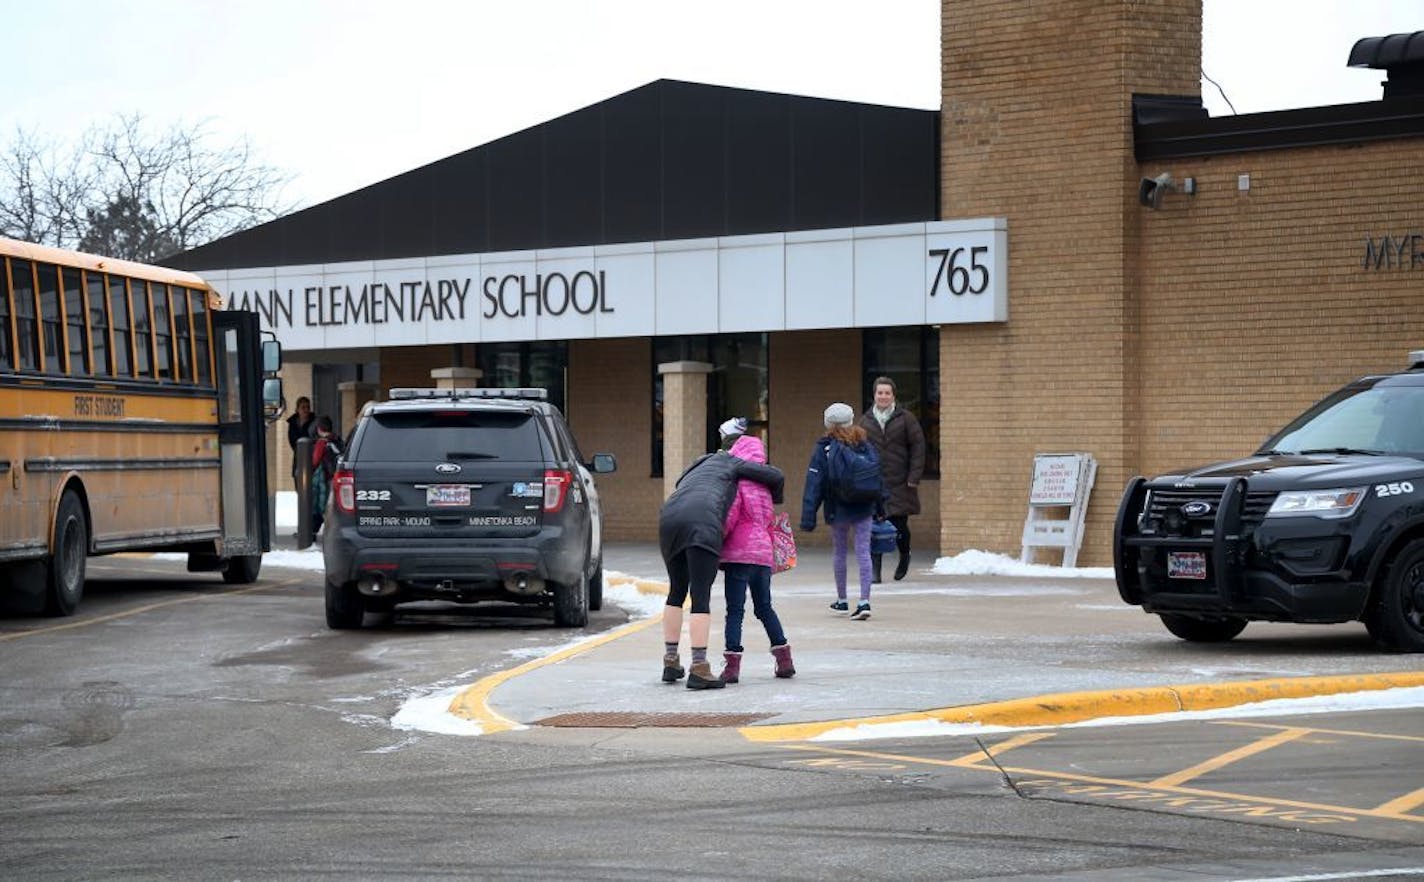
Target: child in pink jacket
x=746, y=565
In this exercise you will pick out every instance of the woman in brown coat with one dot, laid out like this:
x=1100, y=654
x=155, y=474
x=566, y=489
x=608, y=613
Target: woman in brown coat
x=900, y=441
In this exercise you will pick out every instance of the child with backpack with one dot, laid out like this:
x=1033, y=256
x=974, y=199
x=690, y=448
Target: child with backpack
x=843, y=479
x=326, y=453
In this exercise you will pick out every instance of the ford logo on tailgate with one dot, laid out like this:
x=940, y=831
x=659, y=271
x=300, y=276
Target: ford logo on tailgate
x=447, y=468
x=1196, y=509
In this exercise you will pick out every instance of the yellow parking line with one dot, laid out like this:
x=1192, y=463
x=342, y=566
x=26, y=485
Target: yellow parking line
x=1020, y=740
x=1404, y=803
x=1388, y=811
x=1352, y=733
x=1217, y=762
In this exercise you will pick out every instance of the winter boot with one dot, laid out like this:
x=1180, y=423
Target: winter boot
x=782, y=654
x=672, y=668
x=875, y=568
x=902, y=567
x=699, y=676
x=732, y=669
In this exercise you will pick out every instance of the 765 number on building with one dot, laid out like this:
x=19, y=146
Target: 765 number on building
x=959, y=272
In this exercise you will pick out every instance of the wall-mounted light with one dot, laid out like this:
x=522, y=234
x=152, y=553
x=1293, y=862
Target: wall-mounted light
x=1151, y=191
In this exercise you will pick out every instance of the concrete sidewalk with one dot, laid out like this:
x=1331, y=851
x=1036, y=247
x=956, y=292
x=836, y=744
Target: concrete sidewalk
x=995, y=649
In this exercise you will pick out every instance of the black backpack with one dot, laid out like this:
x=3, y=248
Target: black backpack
x=853, y=473
x=331, y=455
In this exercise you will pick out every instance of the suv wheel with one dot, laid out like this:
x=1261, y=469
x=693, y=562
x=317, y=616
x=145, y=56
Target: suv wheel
x=571, y=603
x=345, y=607
x=1203, y=630
x=1397, y=619
x=595, y=588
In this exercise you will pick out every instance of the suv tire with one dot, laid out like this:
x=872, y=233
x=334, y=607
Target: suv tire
x=1396, y=620
x=571, y=603
x=1197, y=630
x=595, y=588
x=345, y=607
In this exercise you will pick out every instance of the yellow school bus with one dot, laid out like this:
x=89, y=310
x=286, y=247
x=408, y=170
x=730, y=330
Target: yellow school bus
x=131, y=419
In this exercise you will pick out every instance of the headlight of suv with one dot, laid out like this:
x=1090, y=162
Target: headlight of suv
x=1337, y=503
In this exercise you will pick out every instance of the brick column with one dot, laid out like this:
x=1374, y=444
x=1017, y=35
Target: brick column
x=354, y=395
x=456, y=377
x=684, y=417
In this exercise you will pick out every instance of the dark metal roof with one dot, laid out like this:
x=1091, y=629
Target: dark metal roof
x=1382, y=53
x=668, y=160
x=1194, y=135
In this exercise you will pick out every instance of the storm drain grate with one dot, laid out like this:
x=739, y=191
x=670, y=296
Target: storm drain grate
x=635, y=720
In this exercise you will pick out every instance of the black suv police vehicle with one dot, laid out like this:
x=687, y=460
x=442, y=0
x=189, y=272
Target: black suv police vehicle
x=464, y=495
x=1325, y=523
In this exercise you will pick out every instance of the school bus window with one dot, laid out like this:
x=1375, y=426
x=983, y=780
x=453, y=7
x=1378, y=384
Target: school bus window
x=76, y=327
x=142, y=328
x=22, y=278
x=98, y=323
x=162, y=332
x=7, y=338
x=182, y=334
x=200, y=337
x=51, y=318
x=119, y=315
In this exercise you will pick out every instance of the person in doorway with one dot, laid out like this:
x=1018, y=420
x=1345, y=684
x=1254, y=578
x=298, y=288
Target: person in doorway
x=326, y=453
x=301, y=424
x=690, y=540
x=849, y=520
x=900, y=442
x=746, y=566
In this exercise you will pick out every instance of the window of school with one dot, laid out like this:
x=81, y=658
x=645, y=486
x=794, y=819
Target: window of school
x=539, y=364
x=737, y=386
x=182, y=334
x=163, y=333
x=47, y=277
x=910, y=357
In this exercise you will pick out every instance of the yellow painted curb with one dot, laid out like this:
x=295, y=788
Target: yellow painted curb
x=1074, y=707
x=473, y=703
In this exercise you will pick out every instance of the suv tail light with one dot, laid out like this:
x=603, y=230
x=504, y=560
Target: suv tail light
x=556, y=488
x=343, y=490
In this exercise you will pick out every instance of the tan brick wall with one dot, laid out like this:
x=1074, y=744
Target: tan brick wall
x=1256, y=304
x=1036, y=128
x=610, y=411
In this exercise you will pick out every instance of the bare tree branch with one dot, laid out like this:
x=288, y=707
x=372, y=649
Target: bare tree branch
x=130, y=191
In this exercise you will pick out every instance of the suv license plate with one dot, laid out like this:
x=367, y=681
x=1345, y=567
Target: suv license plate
x=447, y=495
x=1186, y=565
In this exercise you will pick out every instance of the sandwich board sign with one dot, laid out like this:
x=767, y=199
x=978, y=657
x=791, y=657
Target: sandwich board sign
x=1060, y=481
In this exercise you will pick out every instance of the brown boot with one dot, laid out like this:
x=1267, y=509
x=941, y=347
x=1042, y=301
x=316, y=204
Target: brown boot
x=672, y=668
x=699, y=676
x=732, y=667
x=782, y=654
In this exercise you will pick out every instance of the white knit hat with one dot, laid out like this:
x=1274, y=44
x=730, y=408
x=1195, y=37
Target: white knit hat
x=732, y=427
x=839, y=414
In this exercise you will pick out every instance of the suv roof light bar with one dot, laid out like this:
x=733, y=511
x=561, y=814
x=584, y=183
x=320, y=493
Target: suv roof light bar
x=407, y=394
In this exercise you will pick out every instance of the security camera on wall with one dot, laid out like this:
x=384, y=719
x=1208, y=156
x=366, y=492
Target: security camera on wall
x=1151, y=190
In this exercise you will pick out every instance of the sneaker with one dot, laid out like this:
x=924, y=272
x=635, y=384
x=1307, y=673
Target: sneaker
x=839, y=607
x=862, y=611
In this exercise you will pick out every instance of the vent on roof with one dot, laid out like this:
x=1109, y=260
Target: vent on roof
x=1400, y=55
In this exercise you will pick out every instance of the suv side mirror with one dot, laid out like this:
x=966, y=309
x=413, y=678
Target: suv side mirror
x=604, y=463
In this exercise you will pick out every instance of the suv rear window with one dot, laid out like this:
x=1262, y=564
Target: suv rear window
x=450, y=436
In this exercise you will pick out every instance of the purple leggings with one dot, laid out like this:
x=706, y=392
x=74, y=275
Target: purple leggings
x=839, y=531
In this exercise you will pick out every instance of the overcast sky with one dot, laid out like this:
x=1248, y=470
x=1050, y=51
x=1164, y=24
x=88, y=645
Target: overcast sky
x=344, y=93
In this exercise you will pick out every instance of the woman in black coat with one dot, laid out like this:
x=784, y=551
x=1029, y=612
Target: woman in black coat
x=690, y=539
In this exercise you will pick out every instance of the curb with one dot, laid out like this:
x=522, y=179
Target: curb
x=1074, y=707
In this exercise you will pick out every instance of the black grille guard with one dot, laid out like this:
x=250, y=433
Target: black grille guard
x=1223, y=546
